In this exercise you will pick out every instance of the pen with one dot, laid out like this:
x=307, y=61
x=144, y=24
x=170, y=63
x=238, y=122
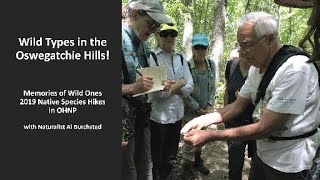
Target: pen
x=138, y=72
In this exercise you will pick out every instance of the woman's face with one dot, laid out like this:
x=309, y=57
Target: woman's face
x=167, y=39
x=199, y=52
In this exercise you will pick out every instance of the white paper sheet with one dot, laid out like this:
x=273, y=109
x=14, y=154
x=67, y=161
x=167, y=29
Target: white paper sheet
x=158, y=73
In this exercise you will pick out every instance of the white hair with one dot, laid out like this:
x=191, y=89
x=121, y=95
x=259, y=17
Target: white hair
x=264, y=23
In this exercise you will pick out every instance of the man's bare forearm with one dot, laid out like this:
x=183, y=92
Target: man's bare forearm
x=143, y=84
x=176, y=87
x=243, y=133
x=127, y=89
x=234, y=109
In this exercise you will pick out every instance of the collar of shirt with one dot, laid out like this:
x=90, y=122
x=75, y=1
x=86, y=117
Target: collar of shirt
x=159, y=50
x=192, y=64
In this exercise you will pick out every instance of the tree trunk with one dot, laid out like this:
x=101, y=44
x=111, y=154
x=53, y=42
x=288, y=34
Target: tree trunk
x=187, y=35
x=247, y=6
x=188, y=30
x=290, y=26
x=218, y=34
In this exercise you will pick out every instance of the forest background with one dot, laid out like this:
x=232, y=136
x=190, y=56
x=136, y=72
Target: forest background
x=218, y=19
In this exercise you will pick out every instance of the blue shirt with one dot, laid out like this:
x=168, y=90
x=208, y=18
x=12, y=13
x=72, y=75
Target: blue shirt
x=135, y=53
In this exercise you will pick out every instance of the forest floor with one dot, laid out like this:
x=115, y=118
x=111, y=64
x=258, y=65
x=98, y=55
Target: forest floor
x=215, y=155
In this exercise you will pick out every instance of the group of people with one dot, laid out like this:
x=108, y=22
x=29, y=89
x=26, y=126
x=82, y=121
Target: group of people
x=270, y=106
x=150, y=152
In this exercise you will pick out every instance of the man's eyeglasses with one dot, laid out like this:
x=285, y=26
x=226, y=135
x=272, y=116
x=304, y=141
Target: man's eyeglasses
x=154, y=25
x=200, y=47
x=166, y=33
x=245, y=46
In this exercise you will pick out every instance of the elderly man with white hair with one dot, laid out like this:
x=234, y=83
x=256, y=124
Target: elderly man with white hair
x=284, y=88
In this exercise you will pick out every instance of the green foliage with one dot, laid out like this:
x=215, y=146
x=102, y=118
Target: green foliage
x=124, y=1
x=202, y=16
x=220, y=95
x=177, y=10
x=293, y=22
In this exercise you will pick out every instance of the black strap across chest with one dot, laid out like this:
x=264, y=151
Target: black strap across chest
x=156, y=59
x=126, y=77
x=209, y=61
x=281, y=57
x=125, y=70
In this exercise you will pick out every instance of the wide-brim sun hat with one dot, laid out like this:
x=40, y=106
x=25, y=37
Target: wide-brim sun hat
x=153, y=8
x=315, y=4
x=295, y=3
x=169, y=26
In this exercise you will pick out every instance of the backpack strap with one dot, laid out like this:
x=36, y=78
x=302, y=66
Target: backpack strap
x=305, y=135
x=125, y=76
x=210, y=64
x=181, y=58
x=279, y=58
x=318, y=70
x=125, y=70
x=189, y=66
x=154, y=58
x=234, y=64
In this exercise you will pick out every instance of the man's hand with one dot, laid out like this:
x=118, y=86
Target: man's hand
x=200, y=112
x=176, y=87
x=197, y=138
x=182, y=82
x=168, y=84
x=143, y=84
x=201, y=121
x=209, y=109
x=236, y=94
x=124, y=144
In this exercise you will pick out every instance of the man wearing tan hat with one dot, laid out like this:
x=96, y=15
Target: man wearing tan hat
x=143, y=19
